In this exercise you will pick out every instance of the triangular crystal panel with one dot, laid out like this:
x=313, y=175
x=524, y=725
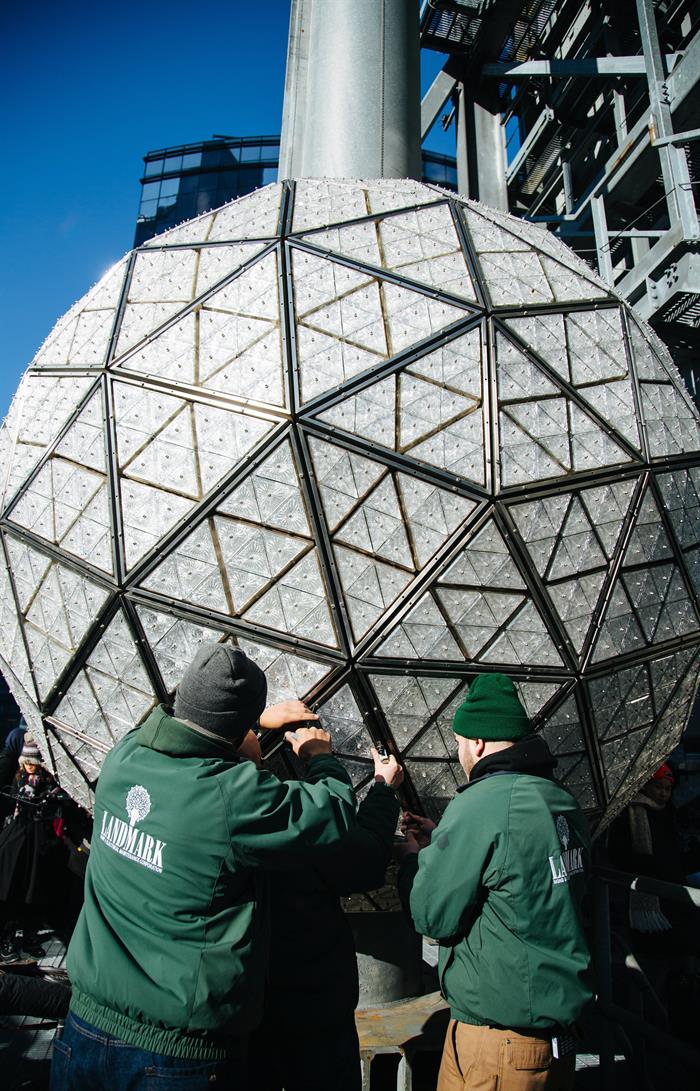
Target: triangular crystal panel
x=421, y=245
x=377, y=526
x=173, y=641
x=37, y=414
x=344, y=477
x=410, y=701
x=431, y=514
x=422, y=634
x=82, y=337
x=369, y=587
x=297, y=604
x=484, y=562
x=191, y=572
x=271, y=494
x=525, y=639
x=113, y=691
x=289, y=675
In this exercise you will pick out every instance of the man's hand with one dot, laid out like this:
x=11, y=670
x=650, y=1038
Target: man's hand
x=307, y=742
x=417, y=827
x=284, y=714
x=408, y=847
x=387, y=768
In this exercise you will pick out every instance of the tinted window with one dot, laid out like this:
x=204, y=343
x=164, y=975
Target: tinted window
x=148, y=209
x=169, y=187
x=173, y=162
x=149, y=191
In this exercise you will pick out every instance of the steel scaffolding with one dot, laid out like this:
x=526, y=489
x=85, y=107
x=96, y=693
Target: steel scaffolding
x=592, y=107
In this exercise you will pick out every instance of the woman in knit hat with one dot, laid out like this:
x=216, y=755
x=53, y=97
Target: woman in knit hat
x=31, y=857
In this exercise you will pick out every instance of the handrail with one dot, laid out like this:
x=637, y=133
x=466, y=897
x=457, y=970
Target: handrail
x=674, y=892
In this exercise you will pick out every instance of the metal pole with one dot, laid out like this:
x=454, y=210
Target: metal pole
x=489, y=155
x=567, y=184
x=602, y=239
x=481, y=147
x=620, y=115
x=357, y=87
x=462, y=152
x=674, y=163
x=294, y=109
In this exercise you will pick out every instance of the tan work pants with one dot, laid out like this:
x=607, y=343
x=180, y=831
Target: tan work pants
x=487, y=1059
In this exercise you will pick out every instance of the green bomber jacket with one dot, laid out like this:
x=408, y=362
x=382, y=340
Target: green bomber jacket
x=169, y=952
x=500, y=887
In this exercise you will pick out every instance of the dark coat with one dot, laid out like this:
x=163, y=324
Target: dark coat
x=20, y=995
x=32, y=860
x=9, y=765
x=308, y=922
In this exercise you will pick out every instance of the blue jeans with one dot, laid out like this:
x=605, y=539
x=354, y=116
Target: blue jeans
x=86, y=1059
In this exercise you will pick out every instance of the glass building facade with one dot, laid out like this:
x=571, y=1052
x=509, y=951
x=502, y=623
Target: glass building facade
x=181, y=182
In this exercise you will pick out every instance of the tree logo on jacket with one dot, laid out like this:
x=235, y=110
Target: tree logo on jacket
x=138, y=804
x=127, y=839
x=570, y=861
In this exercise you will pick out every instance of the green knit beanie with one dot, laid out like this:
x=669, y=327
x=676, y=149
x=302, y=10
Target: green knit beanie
x=492, y=710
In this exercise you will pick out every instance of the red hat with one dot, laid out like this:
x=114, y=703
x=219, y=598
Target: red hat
x=664, y=772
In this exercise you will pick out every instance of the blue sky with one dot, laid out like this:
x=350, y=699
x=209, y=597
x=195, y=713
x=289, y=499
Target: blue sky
x=92, y=88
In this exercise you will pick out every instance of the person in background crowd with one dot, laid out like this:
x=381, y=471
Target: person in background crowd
x=31, y=856
x=645, y=840
x=9, y=764
x=307, y=917
x=500, y=883
x=14, y=740
x=168, y=959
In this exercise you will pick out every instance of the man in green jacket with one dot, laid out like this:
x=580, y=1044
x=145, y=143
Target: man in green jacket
x=499, y=883
x=168, y=958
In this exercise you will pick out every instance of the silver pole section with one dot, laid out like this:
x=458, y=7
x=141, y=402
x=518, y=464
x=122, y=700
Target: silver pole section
x=294, y=110
x=602, y=239
x=490, y=156
x=464, y=181
x=481, y=148
x=360, y=97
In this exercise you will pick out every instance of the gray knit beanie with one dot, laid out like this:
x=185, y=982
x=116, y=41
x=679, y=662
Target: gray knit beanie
x=30, y=753
x=221, y=690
